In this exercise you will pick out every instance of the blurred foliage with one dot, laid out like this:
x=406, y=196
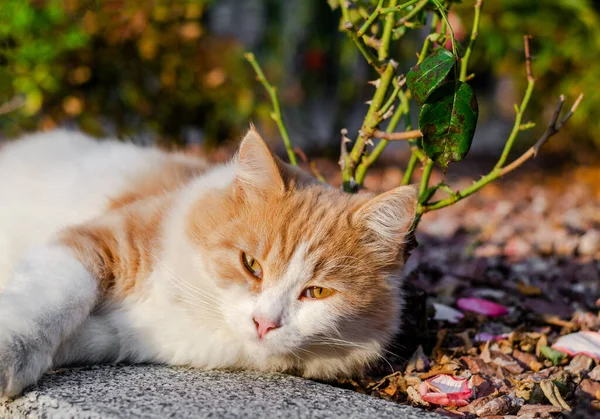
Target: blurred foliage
x=119, y=67
x=125, y=66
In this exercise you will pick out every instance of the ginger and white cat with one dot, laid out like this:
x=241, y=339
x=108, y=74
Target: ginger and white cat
x=115, y=253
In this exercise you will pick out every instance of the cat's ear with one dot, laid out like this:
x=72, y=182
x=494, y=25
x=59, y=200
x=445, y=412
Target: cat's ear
x=390, y=215
x=258, y=170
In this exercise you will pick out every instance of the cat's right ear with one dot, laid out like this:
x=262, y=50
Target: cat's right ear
x=258, y=172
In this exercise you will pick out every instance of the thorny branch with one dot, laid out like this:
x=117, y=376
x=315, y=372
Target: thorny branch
x=398, y=136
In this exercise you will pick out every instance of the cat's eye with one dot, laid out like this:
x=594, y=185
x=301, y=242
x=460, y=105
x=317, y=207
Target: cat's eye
x=252, y=265
x=317, y=292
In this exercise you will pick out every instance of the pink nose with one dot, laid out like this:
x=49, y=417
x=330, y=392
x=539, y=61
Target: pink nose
x=264, y=325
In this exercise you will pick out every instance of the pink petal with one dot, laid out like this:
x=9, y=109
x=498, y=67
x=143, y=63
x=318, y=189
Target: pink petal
x=449, y=314
x=481, y=306
x=446, y=390
x=587, y=343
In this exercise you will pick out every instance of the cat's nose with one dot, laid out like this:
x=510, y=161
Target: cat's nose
x=264, y=325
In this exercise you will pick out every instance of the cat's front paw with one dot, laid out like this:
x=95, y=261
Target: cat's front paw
x=23, y=360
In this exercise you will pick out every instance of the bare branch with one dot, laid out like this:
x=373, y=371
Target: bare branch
x=526, y=40
x=553, y=127
x=398, y=136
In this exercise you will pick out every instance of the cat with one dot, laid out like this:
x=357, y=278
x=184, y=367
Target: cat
x=111, y=253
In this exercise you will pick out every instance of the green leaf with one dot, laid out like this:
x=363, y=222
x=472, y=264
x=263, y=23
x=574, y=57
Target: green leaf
x=447, y=121
x=424, y=78
x=552, y=354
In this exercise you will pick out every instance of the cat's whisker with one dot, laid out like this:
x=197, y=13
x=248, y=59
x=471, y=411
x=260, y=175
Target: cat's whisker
x=191, y=290
x=183, y=283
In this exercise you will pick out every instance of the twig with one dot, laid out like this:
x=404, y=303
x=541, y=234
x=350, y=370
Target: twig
x=398, y=83
x=553, y=127
x=420, y=6
x=363, y=48
x=276, y=114
x=372, y=18
x=372, y=119
x=464, y=62
x=520, y=109
x=393, y=9
x=526, y=39
x=398, y=136
x=313, y=167
x=443, y=13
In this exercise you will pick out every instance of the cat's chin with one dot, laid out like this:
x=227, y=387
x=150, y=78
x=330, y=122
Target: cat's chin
x=315, y=364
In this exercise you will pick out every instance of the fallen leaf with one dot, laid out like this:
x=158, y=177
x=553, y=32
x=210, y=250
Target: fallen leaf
x=529, y=360
x=587, y=343
x=446, y=390
x=553, y=355
x=418, y=361
x=579, y=364
x=502, y=405
x=481, y=386
x=481, y=306
x=588, y=388
x=447, y=313
x=415, y=397
x=595, y=373
x=553, y=394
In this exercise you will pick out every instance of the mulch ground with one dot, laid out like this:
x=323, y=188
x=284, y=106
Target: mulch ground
x=530, y=243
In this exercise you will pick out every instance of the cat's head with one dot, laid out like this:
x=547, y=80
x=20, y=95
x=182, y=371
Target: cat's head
x=307, y=274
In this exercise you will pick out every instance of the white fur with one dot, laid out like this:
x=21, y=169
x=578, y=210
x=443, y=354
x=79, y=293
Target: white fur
x=181, y=316
x=52, y=180
x=50, y=295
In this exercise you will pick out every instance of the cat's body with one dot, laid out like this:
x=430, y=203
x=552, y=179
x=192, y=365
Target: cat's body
x=114, y=253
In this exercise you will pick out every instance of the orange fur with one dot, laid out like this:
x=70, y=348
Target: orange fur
x=120, y=247
x=169, y=177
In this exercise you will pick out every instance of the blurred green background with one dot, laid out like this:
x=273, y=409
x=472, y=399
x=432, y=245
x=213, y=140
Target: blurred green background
x=172, y=72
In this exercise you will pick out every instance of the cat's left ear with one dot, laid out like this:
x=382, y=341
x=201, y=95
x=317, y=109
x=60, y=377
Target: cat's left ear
x=389, y=216
x=258, y=171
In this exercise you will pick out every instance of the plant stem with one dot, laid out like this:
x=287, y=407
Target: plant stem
x=427, y=168
x=372, y=18
x=393, y=9
x=410, y=168
x=427, y=43
x=398, y=136
x=420, y=6
x=276, y=113
x=372, y=119
x=364, y=49
x=345, y=14
x=464, y=62
x=442, y=11
x=384, y=47
x=393, y=97
x=367, y=161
